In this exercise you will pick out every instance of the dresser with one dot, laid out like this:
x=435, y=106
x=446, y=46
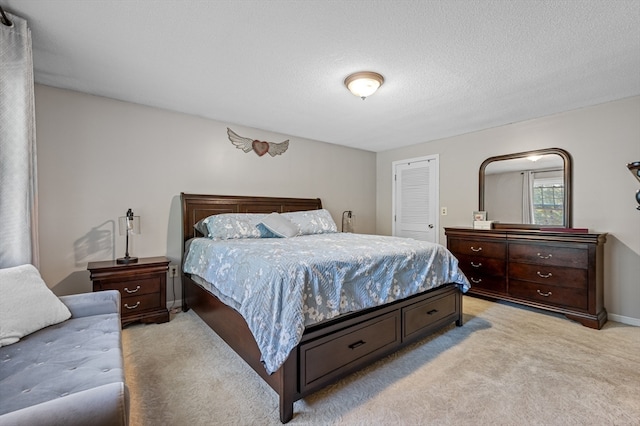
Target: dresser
x=557, y=271
x=142, y=286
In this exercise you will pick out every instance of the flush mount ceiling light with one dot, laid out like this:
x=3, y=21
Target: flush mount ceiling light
x=363, y=83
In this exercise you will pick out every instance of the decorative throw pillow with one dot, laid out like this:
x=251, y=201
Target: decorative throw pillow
x=201, y=227
x=228, y=226
x=26, y=304
x=312, y=221
x=279, y=225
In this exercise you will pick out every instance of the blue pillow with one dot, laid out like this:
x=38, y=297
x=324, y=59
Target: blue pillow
x=312, y=221
x=228, y=226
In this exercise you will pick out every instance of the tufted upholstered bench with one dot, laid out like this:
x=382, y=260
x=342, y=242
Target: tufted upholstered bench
x=70, y=373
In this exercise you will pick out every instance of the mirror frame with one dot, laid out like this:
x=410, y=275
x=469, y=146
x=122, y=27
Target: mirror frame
x=566, y=157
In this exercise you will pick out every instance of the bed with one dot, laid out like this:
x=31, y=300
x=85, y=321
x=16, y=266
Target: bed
x=321, y=351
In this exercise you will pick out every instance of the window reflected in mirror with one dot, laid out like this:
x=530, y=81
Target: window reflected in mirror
x=526, y=189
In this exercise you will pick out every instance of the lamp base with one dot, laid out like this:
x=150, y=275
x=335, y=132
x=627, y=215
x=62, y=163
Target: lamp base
x=125, y=260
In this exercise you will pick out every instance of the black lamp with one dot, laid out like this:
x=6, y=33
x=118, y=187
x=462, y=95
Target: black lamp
x=128, y=224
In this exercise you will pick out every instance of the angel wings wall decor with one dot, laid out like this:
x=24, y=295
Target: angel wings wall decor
x=260, y=147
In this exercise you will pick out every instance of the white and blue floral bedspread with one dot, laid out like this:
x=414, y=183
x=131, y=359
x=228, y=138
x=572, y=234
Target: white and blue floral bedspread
x=281, y=285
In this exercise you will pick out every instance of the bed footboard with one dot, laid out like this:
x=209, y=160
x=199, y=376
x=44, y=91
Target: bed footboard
x=334, y=349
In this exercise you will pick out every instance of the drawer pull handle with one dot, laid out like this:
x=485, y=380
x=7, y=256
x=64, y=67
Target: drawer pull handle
x=132, y=291
x=545, y=257
x=476, y=249
x=431, y=312
x=547, y=294
x=476, y=265
x=545, y=275
x=356, y=344
x=132, y=307
x=476, y=281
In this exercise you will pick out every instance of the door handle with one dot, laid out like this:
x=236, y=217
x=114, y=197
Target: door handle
x=431, y=226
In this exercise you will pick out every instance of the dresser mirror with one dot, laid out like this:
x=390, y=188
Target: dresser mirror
x=527, y=189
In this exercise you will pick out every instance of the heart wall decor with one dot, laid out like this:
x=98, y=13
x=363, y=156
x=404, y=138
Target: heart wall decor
x=259, y=147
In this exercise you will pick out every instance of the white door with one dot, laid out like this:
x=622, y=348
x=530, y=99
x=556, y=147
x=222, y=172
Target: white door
x=415, y=198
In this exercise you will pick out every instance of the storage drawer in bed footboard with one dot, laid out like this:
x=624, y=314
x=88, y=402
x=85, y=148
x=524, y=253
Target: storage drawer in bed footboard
x=423, y=316
x=326, y=358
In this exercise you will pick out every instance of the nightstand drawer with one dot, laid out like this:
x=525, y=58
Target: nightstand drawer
x=133, y=286
x=144, y=302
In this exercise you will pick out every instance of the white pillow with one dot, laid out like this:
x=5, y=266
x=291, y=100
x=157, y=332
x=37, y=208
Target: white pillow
x=280, y=225
x=26, y=304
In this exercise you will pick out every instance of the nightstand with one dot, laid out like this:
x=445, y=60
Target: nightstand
x=142, y=286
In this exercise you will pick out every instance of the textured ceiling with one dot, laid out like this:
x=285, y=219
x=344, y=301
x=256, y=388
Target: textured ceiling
x=451, y=67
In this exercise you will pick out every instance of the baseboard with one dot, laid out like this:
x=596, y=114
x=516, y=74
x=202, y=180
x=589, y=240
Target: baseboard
x=174, y=304
x=624, y=320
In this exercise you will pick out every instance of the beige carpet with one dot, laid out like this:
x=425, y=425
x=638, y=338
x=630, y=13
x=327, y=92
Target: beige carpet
x=507, y=365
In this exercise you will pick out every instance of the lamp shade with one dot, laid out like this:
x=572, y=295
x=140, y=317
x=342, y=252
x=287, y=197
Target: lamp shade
x=129, y=225
x=364, y=83
x=348, y=221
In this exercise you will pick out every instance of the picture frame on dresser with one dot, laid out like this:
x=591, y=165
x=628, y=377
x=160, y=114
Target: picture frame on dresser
x=479, y=215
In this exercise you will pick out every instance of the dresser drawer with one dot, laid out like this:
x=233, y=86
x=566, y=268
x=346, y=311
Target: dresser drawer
x=133, y=304
x=327, y=357
x=547, y=254
x=133, y=285
x=459, y=246
x=549, y=294
x=420, y=316
x=477, y=265
x=490, y=283
x=550, y=275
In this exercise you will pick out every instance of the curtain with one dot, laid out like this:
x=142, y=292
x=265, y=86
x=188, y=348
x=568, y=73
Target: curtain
x=527, y=196
x=18, y=184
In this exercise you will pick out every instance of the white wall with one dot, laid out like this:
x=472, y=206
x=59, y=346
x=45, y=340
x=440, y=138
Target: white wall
x=97, y=157
x=601, y=140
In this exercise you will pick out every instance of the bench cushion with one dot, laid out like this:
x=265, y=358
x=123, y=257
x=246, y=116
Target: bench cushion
x=61, y=360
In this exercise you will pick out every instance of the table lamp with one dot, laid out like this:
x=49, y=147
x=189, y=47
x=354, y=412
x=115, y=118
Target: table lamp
x=128, y=224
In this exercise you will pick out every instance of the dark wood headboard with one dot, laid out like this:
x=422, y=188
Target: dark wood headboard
x=196, y=207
